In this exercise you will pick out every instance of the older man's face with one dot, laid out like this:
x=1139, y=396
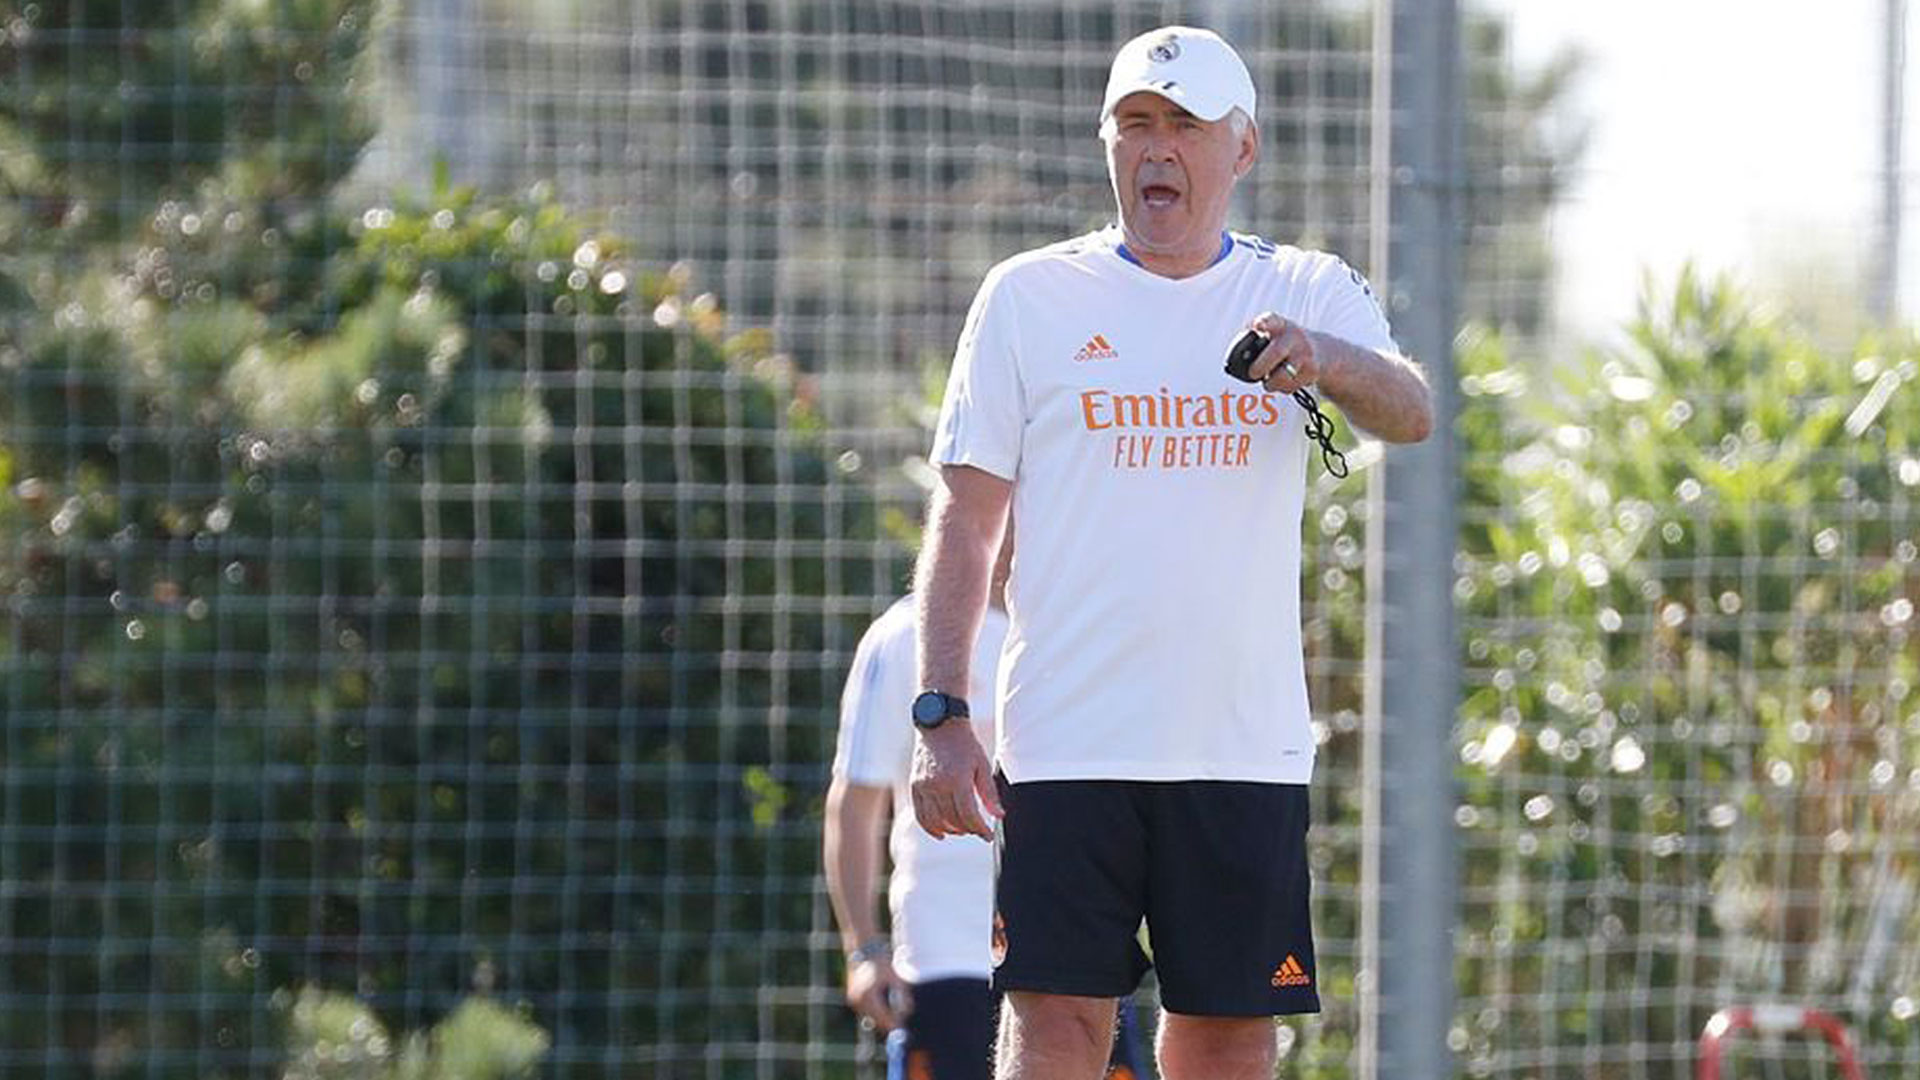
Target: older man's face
x=1172, y=176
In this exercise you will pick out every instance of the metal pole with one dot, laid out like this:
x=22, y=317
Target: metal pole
x=1893, y=73
x=1366, y=983
x=1412, y=668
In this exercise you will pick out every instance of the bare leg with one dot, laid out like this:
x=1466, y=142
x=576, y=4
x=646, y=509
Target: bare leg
x=1054, y=1037
x=1216, y=1047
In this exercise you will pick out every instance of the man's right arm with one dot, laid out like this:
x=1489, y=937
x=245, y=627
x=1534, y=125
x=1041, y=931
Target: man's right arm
x=854, y=836
x=965, y=522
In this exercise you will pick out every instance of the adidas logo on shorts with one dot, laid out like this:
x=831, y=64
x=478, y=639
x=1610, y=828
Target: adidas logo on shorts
x=1290, y=973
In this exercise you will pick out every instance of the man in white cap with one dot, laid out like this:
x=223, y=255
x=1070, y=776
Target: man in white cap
x=1154, y=744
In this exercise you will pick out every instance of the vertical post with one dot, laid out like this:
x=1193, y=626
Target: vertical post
x=1366, y=983
x=1412, y=675
x=1893, y=75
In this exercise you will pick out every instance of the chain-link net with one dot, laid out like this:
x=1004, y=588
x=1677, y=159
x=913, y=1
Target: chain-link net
x=420, y=597
x=426, y=607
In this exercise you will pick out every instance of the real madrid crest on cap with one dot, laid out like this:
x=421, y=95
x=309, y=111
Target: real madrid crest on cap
x=1165, y=49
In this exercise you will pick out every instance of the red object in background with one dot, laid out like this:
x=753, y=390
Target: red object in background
x=1774, y=1020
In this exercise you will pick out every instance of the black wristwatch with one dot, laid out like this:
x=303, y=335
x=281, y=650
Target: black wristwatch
x=933, y=708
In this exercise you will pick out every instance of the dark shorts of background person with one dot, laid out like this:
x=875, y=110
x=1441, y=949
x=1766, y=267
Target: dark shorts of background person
x=949, y=1035
x=1218, y=869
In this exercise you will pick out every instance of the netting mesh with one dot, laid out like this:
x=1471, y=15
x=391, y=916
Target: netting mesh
x=843, y=173
x=1690, y=772
x=425, y=607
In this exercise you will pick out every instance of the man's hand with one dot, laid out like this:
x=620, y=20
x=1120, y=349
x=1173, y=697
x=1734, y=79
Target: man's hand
x=1290, y=361
x=874, y=989
x=949, y=770
x=1382, y=394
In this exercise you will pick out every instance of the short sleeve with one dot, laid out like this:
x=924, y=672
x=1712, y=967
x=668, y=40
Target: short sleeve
x=983, y=416
x=1346, y=307
x=875, y=741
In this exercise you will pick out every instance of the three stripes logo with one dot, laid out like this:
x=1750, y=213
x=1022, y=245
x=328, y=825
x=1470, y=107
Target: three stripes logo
x=1290, y=973
x=1096, y=348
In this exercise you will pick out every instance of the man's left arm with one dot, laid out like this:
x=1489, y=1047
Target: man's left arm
x=1383, y=394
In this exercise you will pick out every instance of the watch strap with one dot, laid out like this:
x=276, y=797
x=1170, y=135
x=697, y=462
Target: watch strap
x=872, y=949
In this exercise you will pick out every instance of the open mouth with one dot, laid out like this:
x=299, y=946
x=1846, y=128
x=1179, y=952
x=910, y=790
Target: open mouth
x=1159, y=196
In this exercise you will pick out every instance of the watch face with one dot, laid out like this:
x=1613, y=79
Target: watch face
x=933, y=708
x=930, y=708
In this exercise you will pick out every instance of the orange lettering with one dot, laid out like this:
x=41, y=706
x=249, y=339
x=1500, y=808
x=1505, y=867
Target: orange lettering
x=1102, y=409
x=1089, y=406
x=1136, y=410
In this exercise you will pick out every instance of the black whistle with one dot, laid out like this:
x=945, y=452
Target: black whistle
x=1240, y=359
x=1244, y=352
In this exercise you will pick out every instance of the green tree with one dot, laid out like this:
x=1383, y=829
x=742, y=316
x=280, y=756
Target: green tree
x=106, y=108
x=1685, y=587
x=389, y=596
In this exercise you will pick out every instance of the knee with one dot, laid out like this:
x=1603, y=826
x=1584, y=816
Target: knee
x=1064, y=1033
x=1203, y=1047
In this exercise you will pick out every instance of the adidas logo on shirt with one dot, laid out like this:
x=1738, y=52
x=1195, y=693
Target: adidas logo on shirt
x=1096, y=348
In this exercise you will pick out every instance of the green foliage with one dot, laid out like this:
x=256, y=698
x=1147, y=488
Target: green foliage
x=375, y=565
x=336, y=1037
x=106, y=107
x=333, y=545
x=1685, y=597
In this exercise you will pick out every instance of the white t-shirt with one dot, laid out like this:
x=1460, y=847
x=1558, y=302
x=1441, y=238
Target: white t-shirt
x=1155, y=597
x=941, y=891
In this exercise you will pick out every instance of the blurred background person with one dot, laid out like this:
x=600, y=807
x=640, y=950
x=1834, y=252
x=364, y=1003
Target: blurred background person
x=926, y=985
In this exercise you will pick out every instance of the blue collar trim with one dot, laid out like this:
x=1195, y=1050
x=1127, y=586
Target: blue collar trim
x=1226, y=249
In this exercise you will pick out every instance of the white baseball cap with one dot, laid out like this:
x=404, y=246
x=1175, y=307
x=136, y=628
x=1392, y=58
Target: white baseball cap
x=1193, y=68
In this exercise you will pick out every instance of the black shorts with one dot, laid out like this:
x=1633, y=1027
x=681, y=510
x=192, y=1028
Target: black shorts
x=1217, y=869
x=948, y=1034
